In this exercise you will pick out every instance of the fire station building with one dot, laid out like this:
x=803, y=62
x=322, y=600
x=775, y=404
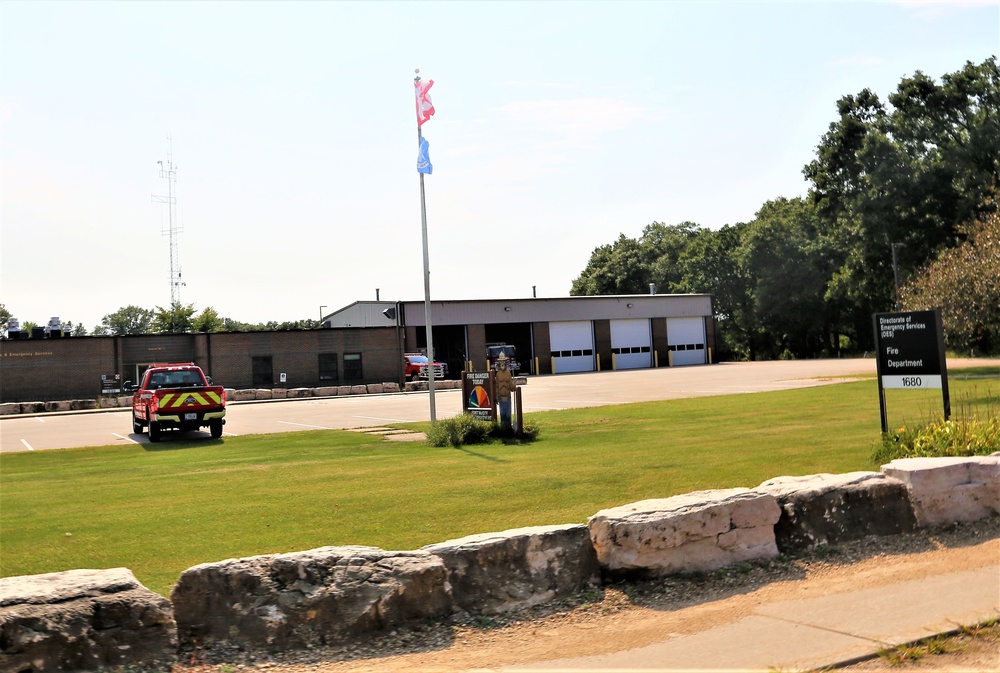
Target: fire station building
x=365, y=341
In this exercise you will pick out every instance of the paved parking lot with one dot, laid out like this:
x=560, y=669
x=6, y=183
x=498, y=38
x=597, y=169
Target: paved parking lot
x=564, y=391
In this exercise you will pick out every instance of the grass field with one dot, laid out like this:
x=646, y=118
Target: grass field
x=159, y=510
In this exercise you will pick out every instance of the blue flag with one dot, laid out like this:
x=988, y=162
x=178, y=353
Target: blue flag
x=423, y=159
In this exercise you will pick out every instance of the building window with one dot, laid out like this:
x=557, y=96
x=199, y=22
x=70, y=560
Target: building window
x=327, y=366
x=263, y=371
x=352, y=367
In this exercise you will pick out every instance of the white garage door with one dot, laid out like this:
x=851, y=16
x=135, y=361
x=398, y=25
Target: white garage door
x=686, y=340
x=631, y=344
x=572, y=346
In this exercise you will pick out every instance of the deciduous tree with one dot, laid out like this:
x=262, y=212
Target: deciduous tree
x=176, y=319
x=127, y=320
x=964, y=282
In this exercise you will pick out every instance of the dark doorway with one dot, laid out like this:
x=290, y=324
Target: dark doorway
x=449, y=347
x=263, y=371
x=517, y=334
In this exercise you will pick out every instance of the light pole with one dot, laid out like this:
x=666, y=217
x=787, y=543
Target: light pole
x=895, y=271
x=321, y=315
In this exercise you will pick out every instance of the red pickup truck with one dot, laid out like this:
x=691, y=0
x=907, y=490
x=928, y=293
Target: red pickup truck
x=177, y=396
x=415, y=366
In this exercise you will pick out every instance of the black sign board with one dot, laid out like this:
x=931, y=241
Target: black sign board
x=909, y=352
x=111, y=384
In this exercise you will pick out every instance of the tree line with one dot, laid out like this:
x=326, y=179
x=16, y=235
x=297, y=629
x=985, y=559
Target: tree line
x=177, y=318
x=901, y=213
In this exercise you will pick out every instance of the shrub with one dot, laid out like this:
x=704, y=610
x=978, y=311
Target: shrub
x=967, y=437
x=467, y=429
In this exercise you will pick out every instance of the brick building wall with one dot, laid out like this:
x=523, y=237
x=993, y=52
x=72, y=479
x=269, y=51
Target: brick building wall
x=542, y=346
x=71, y=368
x=43, y=370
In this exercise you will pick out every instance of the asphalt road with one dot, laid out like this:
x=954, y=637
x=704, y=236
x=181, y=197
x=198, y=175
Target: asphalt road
x=77, y=429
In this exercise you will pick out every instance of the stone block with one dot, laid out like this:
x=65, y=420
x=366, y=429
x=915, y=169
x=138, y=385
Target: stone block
x=694, y=532
x=325, y=391
x=300, y=392
x=10, y=408
x=82, y=405
x=279, y=393
x=390, y=387
x=263, y=394
x=374, y=388
x=108, y=402
x=32, y=407
x=492, y=573
x=343, y=390
x=125, y=401
x=242, y=396
x=949, y=490
x=359, y=390
x=822, y=509
x=84, y=620
x=307, y=599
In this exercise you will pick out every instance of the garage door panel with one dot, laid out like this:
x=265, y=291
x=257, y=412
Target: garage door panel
x=632, y=343
x=686, y=340
x=572, y=345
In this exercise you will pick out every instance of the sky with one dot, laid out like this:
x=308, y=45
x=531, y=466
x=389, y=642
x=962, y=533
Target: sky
x=292, y=128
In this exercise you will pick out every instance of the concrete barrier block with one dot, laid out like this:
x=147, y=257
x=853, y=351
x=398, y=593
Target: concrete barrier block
x=822, y=509
x=307, y=599
x=498, y=572
x=84, y=620
x=694, y=532
x=948, y=490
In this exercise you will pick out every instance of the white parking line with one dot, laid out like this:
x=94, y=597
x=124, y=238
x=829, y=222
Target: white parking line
x=29, y=447
x=387, y=420
x=124, y=437
x=306, y=425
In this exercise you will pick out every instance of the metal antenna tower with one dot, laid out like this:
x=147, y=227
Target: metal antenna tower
x=168, y=171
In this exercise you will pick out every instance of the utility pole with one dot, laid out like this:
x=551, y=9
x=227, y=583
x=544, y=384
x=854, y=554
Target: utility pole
x=895, y=273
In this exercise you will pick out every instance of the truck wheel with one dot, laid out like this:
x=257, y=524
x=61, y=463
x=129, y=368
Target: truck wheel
x=136, y=425
x=154, y=431
x=215, y=426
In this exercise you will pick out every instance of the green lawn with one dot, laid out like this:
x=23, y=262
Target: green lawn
x=161, y=510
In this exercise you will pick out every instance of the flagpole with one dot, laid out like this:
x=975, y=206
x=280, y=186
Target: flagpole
x=427, y=283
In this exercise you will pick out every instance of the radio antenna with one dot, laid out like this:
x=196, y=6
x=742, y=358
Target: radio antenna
x=168, y=171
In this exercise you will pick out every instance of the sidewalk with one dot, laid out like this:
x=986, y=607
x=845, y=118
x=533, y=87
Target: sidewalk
x=814, y=633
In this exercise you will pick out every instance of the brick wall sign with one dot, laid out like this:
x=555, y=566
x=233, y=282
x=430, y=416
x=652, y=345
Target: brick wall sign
x=477, y=395
x=909, y=352
x=111, y=384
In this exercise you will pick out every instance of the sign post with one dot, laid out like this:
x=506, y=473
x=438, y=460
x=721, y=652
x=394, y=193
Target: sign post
x=909, y=352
